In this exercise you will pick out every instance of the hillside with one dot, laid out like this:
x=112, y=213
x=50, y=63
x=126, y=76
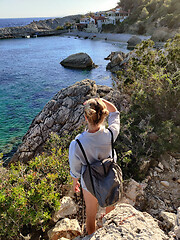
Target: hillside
x=149, y=15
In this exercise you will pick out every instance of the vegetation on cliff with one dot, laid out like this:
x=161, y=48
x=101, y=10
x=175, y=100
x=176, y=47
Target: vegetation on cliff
x=29, y=193
x=150, y=14
x=152, y=125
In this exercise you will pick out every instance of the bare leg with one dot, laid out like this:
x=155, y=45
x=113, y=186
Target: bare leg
x=109, y=209
x=91, y=210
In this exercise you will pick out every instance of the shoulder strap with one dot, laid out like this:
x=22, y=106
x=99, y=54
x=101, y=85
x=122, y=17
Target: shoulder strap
x=82, y=149
x=112, y=142
x=88, y=164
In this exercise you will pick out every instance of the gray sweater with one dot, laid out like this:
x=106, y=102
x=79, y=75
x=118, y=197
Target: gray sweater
x=96, y=145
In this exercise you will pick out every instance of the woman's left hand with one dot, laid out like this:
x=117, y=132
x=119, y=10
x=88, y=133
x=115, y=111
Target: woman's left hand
x=76, y=185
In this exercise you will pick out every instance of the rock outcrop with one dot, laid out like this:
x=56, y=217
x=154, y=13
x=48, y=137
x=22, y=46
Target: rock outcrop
x=79, y=61
x=66, y=228
x=125, y=222
x=40, y=28
x=116, y=60
x=63, y=113
x=132, y=42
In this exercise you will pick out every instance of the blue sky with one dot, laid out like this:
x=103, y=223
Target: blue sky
x=51, y=8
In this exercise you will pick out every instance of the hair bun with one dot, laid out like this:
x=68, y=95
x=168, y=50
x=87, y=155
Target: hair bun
x=95, y=111
x=105, y=112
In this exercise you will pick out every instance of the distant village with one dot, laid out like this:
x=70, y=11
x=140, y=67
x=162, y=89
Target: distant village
x=93, y=22
x=90, y=23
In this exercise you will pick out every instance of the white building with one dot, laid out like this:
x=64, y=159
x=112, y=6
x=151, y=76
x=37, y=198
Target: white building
x=87, y=20
x=115, y=15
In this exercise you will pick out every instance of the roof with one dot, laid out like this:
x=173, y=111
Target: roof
x=99, y=18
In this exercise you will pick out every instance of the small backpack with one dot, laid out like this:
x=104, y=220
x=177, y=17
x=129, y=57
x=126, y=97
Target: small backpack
x=103, y=178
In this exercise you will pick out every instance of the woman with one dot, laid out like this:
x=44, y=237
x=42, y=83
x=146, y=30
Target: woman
x=96, y=141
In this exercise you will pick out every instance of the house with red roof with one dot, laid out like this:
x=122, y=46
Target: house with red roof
x=116, y=14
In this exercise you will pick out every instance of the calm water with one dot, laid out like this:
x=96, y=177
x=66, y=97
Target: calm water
x=16, y=22
x=30, y=75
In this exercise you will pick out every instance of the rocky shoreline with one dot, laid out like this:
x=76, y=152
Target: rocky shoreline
x=40, y=28
x=49, y=27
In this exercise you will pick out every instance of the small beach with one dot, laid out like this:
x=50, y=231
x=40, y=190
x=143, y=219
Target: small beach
x=116, y=37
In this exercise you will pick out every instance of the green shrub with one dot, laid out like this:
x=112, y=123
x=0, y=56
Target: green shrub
x=60, y=28
x=152, y=125
x=29, y=193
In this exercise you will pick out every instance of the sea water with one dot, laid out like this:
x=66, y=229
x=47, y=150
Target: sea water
x=30, y=75
x=17, y=22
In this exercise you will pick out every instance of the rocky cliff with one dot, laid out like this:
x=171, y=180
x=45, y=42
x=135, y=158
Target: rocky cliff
x=63, y=113
x=41, y=28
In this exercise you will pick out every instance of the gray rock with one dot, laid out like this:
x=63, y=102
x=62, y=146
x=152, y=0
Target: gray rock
x=116, y=61
x=165, y=183
x=66, y=228
x=133, y=192
x=67, y=207
x=63, y=114
x=78, y=60
x=125, y=222
x=112, y=54
x=132, y=42
x=169, y=219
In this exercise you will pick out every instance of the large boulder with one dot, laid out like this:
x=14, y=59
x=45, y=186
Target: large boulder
x=132, y=42
x=78, y=60
x=125, y=222
x=64, y=113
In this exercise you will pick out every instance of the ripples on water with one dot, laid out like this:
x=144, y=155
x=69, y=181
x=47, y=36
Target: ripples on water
x=30, y=75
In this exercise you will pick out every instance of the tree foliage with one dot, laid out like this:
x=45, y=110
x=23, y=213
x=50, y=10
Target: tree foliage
x=153, y=11
x=29, y=193
x=152, y=79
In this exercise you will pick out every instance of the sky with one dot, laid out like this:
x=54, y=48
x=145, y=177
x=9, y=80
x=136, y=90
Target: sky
x=51, y=8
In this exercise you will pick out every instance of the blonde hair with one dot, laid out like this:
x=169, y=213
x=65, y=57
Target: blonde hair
x=96, y=111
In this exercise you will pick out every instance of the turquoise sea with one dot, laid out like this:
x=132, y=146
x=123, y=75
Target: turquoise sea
x=30, y=75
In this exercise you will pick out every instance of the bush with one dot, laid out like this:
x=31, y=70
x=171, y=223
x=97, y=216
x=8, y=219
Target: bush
x=29, y=193
x=108, y=27
x=60, y=28
x=152, y=125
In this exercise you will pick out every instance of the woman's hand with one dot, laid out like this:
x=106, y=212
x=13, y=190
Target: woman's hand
x=76, y=185
x=110, y=106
